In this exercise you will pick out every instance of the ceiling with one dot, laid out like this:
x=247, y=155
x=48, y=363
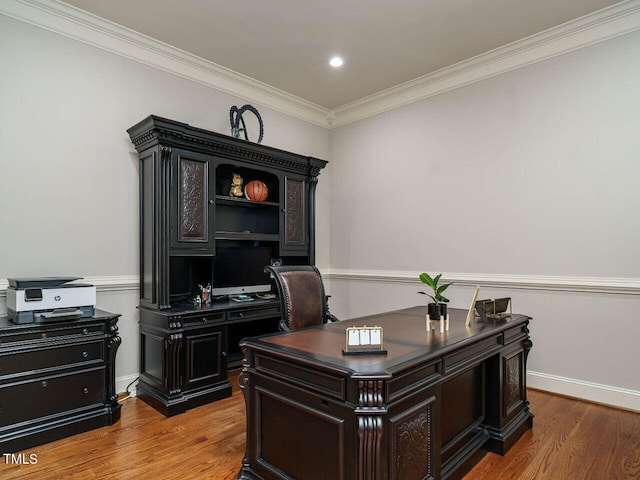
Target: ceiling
x=287, y=43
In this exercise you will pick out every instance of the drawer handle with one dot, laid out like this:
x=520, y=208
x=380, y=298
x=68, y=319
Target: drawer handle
x=44, y=383
x=85, y=354
x=85, y=331
x=205, y=319
x=85, y=390
x=44, y=335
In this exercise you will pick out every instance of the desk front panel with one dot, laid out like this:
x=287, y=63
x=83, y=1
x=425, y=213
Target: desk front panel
x=427, y=409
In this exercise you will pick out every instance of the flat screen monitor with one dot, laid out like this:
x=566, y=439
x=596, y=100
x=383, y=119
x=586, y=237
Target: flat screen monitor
x=240, y=270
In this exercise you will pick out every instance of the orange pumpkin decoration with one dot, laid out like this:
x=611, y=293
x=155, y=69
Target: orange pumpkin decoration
x=256, y=190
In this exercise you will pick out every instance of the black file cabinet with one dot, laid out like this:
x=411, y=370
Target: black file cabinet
x=56, y=379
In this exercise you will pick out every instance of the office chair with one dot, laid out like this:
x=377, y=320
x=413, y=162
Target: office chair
x=302, y=298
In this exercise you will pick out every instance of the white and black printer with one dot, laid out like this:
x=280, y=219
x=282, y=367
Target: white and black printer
x=41, y=299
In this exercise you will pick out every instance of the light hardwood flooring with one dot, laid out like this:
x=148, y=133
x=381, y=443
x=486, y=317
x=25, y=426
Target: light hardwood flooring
x=570, y=440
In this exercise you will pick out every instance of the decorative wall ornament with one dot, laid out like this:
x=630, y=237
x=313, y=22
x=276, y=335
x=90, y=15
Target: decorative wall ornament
x=235, y=117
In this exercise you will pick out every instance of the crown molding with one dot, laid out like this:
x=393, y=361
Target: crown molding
x=608, y=285
x=73, y=23
x=600, y=26
x=77, y=24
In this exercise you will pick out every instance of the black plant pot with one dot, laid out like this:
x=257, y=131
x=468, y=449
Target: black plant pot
x=436, y=310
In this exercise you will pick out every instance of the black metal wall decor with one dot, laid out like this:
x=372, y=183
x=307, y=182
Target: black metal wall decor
x=235, y=116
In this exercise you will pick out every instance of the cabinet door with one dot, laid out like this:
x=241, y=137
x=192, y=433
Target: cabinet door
x=294, y=227
x=205, y=357
x=192, y=212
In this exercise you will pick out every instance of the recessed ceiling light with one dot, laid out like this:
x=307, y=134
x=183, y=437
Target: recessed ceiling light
x=336, y=62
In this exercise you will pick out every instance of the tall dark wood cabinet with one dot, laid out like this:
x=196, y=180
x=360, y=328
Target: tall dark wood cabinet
x=188, y=217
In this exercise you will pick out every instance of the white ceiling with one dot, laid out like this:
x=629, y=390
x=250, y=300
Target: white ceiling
x=287, y=43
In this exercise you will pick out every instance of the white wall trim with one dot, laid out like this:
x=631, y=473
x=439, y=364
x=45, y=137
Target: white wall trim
x=593, y=392
x=102, y=284
x=123, y=382
x=71, y=22
x=629, y=286
x=79, y=25
x=614, y=285
x=594, y=28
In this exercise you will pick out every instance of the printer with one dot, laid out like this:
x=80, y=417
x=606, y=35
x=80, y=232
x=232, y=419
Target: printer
x=41, y=299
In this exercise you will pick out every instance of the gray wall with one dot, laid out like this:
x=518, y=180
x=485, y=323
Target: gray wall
x=526, y=180
x=69, y=173
x=523, y=179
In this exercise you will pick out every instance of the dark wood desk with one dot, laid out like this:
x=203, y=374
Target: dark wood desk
x=430, y=408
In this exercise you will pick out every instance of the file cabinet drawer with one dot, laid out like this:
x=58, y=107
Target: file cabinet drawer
x=37, y=332
x=45, y=396
x=49, y=358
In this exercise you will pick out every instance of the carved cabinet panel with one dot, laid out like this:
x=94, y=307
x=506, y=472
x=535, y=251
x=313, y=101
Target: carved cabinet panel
x=413, y=437
x=192, y=212
x=294, y=236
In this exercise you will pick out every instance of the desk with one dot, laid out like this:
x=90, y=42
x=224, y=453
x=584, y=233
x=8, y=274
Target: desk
x=430, y=408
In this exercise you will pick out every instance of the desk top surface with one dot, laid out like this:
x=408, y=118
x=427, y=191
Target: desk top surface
x=405, y=339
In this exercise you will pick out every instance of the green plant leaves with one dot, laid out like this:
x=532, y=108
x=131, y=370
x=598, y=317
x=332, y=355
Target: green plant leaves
x=425, y=278
x=437, y=290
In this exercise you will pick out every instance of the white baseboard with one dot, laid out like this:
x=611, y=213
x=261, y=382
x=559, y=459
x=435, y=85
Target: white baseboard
x=123, y=382
x=592, y=392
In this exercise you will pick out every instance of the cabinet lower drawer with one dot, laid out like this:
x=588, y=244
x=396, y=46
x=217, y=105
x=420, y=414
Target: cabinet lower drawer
x=32, y=400
x=55, y=357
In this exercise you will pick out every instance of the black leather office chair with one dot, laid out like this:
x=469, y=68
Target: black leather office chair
x=302, y=298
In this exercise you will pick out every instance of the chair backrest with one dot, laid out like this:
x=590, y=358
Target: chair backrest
x=302, y=297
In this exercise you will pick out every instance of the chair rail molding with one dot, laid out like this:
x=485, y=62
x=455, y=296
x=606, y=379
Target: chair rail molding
x=74, y=23
x=609, y=285
x=102, y=284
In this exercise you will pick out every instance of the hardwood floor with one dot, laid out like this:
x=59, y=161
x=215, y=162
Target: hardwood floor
x=570, y=440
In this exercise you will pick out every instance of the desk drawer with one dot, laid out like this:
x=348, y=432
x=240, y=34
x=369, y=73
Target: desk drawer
x=50, y=358
x=472, y=354
x=203, y=319
x=515, y=333
x=29, y=401
x=254, y=313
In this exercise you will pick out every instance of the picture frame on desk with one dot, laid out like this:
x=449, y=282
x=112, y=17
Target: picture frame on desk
x=364, y=340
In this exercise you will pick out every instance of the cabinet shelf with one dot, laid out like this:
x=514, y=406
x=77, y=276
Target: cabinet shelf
x=243, y=202
x=264, y=237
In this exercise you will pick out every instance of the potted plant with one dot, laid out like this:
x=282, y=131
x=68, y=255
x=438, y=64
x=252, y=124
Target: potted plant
x=439, y=306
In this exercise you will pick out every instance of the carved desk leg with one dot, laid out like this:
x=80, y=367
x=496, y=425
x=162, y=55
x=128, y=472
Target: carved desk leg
x=244, y=382
x=369, y=420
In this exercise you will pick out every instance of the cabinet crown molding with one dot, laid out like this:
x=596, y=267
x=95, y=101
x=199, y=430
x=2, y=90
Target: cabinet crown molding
x=155, y=130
